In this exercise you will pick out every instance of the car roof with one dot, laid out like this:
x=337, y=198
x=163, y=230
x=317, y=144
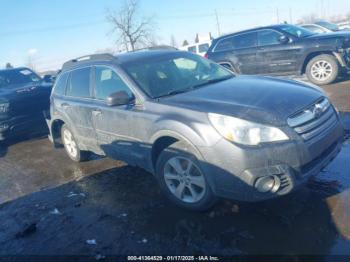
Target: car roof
x=119, y=59
x=144, y=55
x=251, y=30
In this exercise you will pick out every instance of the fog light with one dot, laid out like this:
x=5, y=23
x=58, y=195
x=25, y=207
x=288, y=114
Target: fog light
x=267, y=184
x=4, y=107
x=4, y=127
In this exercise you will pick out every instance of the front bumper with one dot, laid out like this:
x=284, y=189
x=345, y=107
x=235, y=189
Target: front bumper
x=344, y=58
x=21, y=125
x=234, y=170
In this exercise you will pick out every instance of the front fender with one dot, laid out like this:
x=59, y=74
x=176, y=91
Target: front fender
x=198, y=133
x=176, y=135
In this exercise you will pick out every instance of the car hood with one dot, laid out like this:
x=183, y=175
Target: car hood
x=260, y=99
x=25, y=99
x=23, y=90
x=338, y=34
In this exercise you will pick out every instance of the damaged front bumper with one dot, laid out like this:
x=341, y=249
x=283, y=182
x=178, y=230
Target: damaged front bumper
x=343, y=57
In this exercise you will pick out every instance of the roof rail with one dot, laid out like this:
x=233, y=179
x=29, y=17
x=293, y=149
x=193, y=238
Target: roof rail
x=159, y=47
x=104, y=57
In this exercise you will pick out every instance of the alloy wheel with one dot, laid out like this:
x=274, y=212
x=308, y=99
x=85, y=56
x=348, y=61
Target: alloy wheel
x=184, y=179
x=321, y=70
x=70, y=144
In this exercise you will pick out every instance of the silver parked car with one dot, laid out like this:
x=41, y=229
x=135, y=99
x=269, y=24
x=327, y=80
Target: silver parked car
x=201, y=130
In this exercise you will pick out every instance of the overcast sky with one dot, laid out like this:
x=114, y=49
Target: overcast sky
x=51, y=32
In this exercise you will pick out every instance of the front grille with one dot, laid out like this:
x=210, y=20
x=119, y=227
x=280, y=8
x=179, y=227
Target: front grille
x=347, y=55
x=314, y=120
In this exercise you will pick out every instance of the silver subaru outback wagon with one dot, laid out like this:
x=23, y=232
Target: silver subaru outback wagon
x=204, y=132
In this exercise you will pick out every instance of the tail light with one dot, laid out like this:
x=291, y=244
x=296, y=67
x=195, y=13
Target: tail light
x=206, y=55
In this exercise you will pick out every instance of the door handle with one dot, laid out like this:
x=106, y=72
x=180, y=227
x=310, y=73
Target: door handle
x=96, y=112
x=65, y=105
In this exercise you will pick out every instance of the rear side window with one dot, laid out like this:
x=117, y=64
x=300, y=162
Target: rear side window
x=246, y=40
x=192, y=49
x=224, y=44
x=314, y=29
x=268, y=37
x=61, y=83
x=108, y=82
x=203, y=48
x=79, y=84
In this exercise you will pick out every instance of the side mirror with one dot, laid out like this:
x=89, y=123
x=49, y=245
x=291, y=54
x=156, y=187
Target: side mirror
x=48, y=78
x=119, y=98
x=283, y=39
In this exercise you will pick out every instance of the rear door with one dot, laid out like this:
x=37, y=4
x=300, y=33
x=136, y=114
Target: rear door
x=239, y=51
x=78, y=106
x=274, y=57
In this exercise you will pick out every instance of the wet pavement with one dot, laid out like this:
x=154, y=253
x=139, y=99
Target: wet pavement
x=50, y=205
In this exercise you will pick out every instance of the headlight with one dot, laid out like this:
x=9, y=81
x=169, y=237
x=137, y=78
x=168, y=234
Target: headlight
x=4, y=127
x=4, y=107
x=245, y=132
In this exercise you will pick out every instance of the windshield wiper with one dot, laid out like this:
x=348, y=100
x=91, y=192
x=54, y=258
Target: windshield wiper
x=176, y=92
x=180, y=91
x=212, y=81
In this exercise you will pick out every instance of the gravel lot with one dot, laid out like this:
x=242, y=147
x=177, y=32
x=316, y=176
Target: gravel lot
x=51, y=206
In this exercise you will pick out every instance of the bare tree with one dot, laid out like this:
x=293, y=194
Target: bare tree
x=8, y=66
x=133, y=31
x=173, y=42
x=196, y=40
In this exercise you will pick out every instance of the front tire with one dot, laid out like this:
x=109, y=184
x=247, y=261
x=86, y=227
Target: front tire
x=71, y=146
x=323, y=69
x=182, y=179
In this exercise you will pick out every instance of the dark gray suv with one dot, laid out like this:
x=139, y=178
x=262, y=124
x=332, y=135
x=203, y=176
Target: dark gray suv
x=202, y=131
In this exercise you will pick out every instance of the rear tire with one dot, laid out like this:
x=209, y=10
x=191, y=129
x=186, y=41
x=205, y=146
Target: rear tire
x=71, y=146
x=323, y=69
x=182, y=179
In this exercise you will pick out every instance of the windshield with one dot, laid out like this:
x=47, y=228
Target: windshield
x=17, y=76
x=330, y=26
x=296, y=31
x=176, y=74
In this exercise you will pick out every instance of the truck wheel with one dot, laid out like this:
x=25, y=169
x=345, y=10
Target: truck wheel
x=322, y=70
x=71, y=146
x=182, y=179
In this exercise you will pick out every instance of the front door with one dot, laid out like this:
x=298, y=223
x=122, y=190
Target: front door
x=111, y=123
x=274, y=57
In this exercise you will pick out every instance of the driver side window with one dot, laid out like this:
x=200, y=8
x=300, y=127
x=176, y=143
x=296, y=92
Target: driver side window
x=108, y=82
x=268, y=37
